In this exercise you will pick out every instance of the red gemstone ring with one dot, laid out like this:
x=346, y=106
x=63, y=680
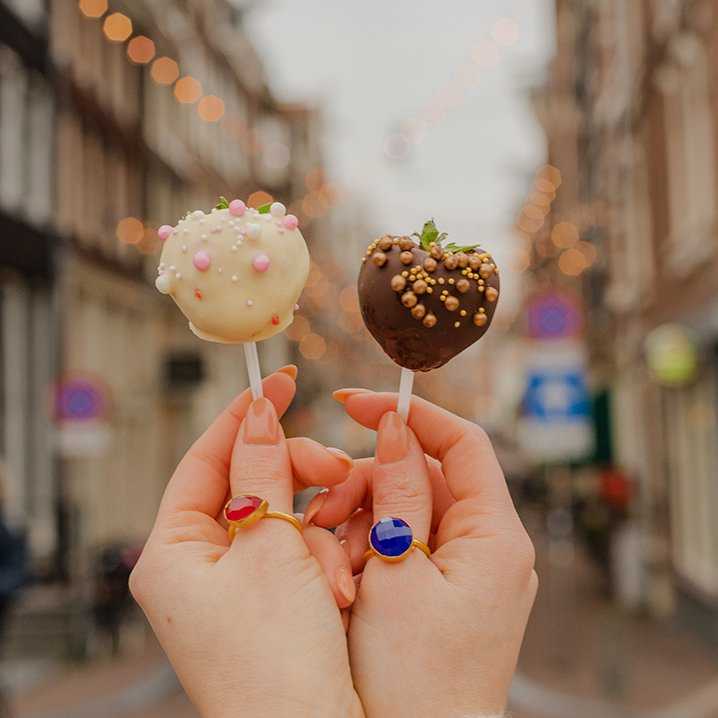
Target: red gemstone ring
x=245, y=510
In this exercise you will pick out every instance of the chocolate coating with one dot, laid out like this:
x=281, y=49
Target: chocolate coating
x=417, y=344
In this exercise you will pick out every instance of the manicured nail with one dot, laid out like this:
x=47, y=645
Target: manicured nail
x=261, y=425
x=342, y=456
x=290, y=370
x=345, y=585
x=341, y=395
x=315, y=506
x=392, y=442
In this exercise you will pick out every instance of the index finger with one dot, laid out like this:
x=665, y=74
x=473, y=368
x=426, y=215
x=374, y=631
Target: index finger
x=463, y=448
x=201, y=480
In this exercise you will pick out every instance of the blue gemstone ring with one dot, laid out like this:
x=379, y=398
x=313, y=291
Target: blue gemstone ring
x=391, y=539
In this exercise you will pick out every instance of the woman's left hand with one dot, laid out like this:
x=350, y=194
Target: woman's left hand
x=253, y=627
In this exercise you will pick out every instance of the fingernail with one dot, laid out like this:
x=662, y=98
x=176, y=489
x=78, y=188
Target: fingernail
x=344, y=543
x=315, y=506
x=345, y=585
x=290, y=370
x=342, y=456
x=341, y=395
x=392, y=439
x=261, y=426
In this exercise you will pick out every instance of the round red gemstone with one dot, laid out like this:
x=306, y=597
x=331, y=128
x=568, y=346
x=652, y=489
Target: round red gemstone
x=241, y=507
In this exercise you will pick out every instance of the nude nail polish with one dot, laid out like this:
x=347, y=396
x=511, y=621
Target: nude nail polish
x=342, y=456
x=341, y=395
x=315, y=506
x=392, y=439
x=261, y=425
x=345, y=585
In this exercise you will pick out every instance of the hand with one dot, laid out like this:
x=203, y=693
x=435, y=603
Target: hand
x=253, y=628
x=432, y=637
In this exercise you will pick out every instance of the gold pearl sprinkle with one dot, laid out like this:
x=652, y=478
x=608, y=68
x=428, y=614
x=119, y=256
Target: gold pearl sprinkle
x=441, y=280
x=457, y=325
x=463, y=312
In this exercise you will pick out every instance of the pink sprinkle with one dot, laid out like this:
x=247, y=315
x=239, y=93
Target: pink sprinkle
x=260, y=263
x=290, y=222
x=164, y=232
x=237, y=207
x=202, y=260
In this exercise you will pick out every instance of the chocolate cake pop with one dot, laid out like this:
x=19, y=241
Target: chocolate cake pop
x=426, y=300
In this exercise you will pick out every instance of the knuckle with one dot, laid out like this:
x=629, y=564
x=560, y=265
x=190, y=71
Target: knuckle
x=261, y=471
x=533, y=585
x=398, y=493
x=525, y=553
x=137, y=582
x=478, y=435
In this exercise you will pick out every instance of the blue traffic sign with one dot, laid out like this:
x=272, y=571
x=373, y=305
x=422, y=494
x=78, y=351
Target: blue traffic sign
x=556, y=396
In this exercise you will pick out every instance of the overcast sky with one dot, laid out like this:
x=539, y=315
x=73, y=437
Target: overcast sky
x=459, y=70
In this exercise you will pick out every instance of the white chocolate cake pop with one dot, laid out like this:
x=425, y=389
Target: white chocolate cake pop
x=235, y=272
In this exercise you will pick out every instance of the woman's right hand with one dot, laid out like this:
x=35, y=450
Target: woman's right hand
x=440, y=636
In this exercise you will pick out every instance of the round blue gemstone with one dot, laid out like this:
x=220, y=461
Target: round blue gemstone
x=391, y=537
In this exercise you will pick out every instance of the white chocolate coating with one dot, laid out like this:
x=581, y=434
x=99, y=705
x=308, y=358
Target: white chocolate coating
x=234, y=282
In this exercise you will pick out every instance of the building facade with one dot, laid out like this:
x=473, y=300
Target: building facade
x=114, y=121
x=27, y=273
x=631, y=118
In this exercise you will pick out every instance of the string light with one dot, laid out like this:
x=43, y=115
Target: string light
x=211, y=108
x=564, y=235
x=299, y=328
x=130, y=230
x=572, y=262
x=258, y=198
x=313, y=346
x=141, y=50
x=188, y=90
x=117, y=27
x=93, y=8
x=349, y=299
x=165, y=71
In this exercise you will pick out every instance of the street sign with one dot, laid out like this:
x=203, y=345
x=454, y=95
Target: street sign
x=554, y=315
x=556, y=395
x=82, y=408
x=81, y=398
x=556, y=420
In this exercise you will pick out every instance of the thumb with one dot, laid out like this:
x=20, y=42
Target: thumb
x=401, y=485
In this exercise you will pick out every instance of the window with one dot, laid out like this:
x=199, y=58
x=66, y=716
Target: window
x=692, y=467
x=691, y=171
x=13, y=96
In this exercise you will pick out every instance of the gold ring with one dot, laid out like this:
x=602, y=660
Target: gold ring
x=245, y=510
x=391, y=539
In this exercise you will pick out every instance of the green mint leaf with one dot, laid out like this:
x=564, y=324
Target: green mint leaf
x=222, y=204
x=264, y=209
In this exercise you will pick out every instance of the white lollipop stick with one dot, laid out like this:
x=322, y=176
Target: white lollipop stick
x=405, y=386
x=253, y=370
